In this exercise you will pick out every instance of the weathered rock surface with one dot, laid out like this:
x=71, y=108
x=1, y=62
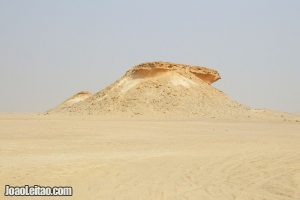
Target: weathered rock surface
x=151, y=69
x=163, y=90
x=80, y=96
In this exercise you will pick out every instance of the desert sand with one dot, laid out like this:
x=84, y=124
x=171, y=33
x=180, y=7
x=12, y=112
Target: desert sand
x=148, y=159
x=160, y=132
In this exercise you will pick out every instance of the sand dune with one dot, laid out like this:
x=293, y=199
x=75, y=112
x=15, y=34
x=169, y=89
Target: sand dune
x=105, y=159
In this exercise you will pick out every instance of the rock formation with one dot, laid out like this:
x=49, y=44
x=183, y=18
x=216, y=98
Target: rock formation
x=80, y=96
x=156, y=68
x=161, y=90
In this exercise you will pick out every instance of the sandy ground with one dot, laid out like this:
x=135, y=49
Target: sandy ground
x=105, y=159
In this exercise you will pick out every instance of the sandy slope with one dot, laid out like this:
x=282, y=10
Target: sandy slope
x=152, y=159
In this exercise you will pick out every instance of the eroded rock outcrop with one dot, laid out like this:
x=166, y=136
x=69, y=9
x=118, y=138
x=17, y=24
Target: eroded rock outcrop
x=158, y=89
x=151, y=69
x=163, y=90
x=78, y=97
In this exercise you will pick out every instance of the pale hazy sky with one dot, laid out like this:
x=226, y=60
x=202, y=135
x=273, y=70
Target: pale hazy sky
x=50, y=50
